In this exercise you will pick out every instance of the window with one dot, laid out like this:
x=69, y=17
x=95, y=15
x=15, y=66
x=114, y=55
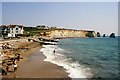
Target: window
x=16, y=31
x=16, y=28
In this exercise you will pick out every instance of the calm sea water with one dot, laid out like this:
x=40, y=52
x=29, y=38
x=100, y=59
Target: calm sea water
x=85, y=57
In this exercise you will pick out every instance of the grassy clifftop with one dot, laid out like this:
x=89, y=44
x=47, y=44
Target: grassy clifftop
x=57, y=32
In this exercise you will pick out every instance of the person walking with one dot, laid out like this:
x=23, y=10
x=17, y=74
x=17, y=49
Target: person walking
x=18, y=57
x=54, y=51
x=15, y=67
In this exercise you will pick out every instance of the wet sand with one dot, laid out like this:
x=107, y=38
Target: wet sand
x=35, y=67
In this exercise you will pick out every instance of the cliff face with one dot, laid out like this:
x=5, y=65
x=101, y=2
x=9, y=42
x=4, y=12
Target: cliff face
x=71, y=33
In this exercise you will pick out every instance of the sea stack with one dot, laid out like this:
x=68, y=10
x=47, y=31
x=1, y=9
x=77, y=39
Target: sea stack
x=98, y=34
x=112, y=35
x=103, y=35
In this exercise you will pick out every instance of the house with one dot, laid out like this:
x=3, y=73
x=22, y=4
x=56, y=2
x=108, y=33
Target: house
x=11, y=30
x=4, y=30
x=42, y=27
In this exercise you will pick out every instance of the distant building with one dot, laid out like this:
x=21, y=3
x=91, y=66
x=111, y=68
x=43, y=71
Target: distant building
x=42, y=27
x=11, y=30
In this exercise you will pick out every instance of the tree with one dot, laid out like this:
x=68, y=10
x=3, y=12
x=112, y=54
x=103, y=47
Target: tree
x=41, y=26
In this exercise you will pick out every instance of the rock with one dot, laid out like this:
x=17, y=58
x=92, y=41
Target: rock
x=89, y=34
x=112, y=35
x=98, y=34
x=66, y=33
x=103, y=35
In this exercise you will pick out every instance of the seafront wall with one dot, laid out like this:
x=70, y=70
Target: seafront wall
x=72, y=33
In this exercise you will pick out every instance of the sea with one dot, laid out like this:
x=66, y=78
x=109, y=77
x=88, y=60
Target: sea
x=85, y=57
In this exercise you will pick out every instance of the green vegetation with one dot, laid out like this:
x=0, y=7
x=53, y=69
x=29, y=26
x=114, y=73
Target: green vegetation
x=35, y=31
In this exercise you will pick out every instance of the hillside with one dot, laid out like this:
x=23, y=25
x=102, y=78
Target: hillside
x=59, y=32
x=71, y=33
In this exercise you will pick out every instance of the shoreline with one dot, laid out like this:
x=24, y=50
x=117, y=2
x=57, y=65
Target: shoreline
x=42, y=69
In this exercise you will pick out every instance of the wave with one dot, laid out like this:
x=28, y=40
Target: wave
x=74, y=68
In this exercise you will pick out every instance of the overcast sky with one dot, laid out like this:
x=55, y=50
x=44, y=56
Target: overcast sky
x=97, y=16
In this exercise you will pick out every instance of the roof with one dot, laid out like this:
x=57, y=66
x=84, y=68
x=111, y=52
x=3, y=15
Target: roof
x=3, y=26
x=12, y=26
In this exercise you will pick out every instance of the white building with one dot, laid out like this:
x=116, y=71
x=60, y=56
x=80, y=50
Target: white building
x=13, y=30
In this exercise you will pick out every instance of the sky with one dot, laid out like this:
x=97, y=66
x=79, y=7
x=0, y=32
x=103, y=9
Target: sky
x=118, y=18
x=0, y=12
x=60, y=0
x=96, y=16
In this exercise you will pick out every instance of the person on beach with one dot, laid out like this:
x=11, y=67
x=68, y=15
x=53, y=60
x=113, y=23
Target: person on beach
x=13, y=61
x=3, y=72
x=7, y=68
x=15, y=67
x=18, y=57
x=54, y=51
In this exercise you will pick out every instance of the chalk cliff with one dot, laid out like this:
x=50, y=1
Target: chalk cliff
x=71, y=33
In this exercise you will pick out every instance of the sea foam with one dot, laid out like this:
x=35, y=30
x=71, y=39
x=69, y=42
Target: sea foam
x=72, y=67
